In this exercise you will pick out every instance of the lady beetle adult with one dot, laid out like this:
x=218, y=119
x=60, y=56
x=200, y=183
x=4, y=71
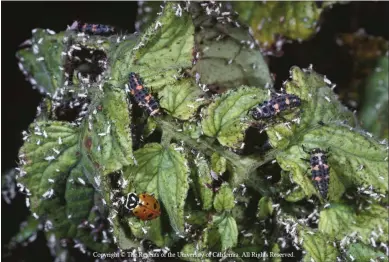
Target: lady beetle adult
x=320, y=170
x=144, y=206
x=275, y=105
x=142, y=96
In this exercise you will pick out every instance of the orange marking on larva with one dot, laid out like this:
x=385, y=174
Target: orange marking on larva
x=325, y=166
x=318, y=179
x=132, y=92
x=147, y=98
x=139, y=87
x=315, y=168
x=277, y=108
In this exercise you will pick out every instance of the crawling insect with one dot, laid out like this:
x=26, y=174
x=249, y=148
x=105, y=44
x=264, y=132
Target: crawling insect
x=93, y=29
x=276, y=105
x=142, y=95
x=320, y=169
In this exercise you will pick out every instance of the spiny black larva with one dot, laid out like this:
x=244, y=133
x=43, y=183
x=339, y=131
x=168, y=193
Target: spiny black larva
x=142, y=95
x=275, y=105
x=320, y=170
x=93, y=29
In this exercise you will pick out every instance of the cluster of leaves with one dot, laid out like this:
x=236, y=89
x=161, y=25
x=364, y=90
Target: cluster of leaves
x=207, y=73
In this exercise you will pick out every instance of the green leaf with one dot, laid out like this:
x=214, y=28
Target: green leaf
x=203, y=177
x=339, y=221
x=374, y=111
x=47, y=156
x=218, y=163
x=224, y=199
x=121, y=238
x=55, y=178
x=265, y=207
x=55, y=212
x=227, y=54
x=318, y=248
x=79, y=198
x=272, y=20
x=196, y=217
x=152, y=231
x=182, y=99
x=42, y=62
x=164, y=172
x=296, y=195
x=228, y=230
x=224, y=118
x=364, y=253
x=107, y=135
x=160, y=52
x=193, y=130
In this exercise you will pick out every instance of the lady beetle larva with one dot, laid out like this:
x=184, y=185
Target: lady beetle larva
x=144, y=206
x=320, y=170
x=275, y=105
x=94, y=29
x=142, y=96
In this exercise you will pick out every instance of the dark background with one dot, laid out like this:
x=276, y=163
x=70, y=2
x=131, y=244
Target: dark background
x=19, y=100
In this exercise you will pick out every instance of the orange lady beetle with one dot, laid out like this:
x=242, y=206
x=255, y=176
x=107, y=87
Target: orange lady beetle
x=144, y=206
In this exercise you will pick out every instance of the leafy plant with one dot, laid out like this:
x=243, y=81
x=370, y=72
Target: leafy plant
x=71, y=170
x=274, y=22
